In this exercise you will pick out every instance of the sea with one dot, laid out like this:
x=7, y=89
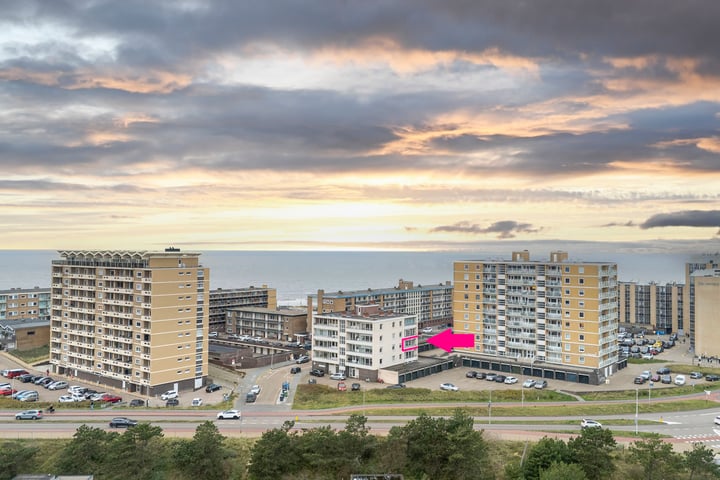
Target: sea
x=296, y=274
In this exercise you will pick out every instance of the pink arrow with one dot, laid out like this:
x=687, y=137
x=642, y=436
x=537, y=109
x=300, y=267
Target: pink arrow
x=448, y=340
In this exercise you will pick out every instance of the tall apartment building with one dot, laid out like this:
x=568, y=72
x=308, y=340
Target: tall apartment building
x=432, y=304
x=25, y=303
x=363, y=342
x=283, y=324
x=555, y=319
x=706, y=285
x=136, y=320
x=222, y=299
x=700, y=266
x=652, y=306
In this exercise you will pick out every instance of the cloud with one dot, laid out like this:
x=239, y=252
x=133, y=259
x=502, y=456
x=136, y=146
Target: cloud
x=504, y=229
x=629, y=223
x=687, y=218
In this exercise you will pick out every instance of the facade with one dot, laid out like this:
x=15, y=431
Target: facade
x=284, y=323
x=706, y=333
x=652, y=306
x=363, y=342
x=558, y=317
x=136, y=320
x=432, y=304
x=221, y=300
x=24, y=334
x=700, y=266
x=25, y=303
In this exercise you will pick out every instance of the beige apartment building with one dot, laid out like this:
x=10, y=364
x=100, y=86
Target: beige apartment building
x=221, y=300
x=284, y=324
x=555, y=319
x=706, y=285
x=698, y=267
x=136, y=320
x=24, y=304
x=652, y=306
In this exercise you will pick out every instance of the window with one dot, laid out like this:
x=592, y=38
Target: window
x=567, y=358
x=581, y=269
x=582, y=326
x=567, y=336
x=581, y=359
x=581, y=281
x=567, y=280
x=582, y=338
x=567, y=269
x=581, y=314
x=567, y=324
x=466, y=286
x=567, y=347
x=467, y=326
x=581, y=293
x=567, y=314
x=466, y=277
x=466, y=296
x=567, y=303
x=567, y=291
x=581, y=303
x=581, y=348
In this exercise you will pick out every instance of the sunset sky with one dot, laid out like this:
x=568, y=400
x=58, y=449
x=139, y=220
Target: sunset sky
x=415, y=124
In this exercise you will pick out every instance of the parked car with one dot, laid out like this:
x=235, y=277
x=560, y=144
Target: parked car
x=500, y=378
x=712, y=378
x=172, y=402
x=529, y=383
x=655, y=378
x=136, y=402
x=16, y=373
x=312, y=381
x=77, y=390
x=42, y=379
x=69, y=399
x=7, y=390
x=341, y=386
x=717, y=419
x=229, y=415
x=169, y=394
x=111, y=398
x=663, y=371
x=355, y=387
x=337, y=376
x=449, y=387
x=666, y=379
x=639, y=380
x=302, y=359
x=471, y=374
x=213, y=335
x=213, y=387
x=29, y=415
x=59, y=385
x=696, y=375
x=481, y=375
x=510, y=380
x=679, y=379
x=397, y=385
x=427, y=330
x=26, y=378
x=540, y=384
x=317, y=372
x=196, y=402
x=32, y=396
x=295, y=370
x=255, y=389
x=587, y=423
x=122, y=422
x=490, y=377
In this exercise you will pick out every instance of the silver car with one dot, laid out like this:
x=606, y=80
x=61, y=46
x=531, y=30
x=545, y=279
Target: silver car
x=29, y=415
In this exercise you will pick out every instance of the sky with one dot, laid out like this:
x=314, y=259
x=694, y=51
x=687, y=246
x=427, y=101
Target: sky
x=332, y=125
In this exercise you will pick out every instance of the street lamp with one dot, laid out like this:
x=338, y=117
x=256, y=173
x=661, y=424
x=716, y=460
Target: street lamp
x=490, y=409
x=522, y=389
x=637, y=405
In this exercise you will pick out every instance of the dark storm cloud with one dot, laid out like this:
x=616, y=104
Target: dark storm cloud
x=687, y=218
x=504, y=229
x=557, y=28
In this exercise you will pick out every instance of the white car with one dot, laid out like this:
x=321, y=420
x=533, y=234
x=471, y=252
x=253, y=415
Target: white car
x=229, y=414
x=169, y=394
x=586, y=423
x=529, y=383
x=59, y=385
x=510, y=380
x=427, y=330
x=196, y=402
x=76, y=390
x=68, y=399
x=96, y=397
x=679, y=379
x=449, y=387
x=337, y=376
x=717, y=420
x=255, y=389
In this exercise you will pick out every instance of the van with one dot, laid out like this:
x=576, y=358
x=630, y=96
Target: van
x=250, y=397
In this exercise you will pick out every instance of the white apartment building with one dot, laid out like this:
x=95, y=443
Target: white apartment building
x=361, y=344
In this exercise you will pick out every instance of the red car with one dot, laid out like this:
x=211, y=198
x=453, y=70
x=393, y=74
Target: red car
x=16, y=373
x=7, y=391
x=110, y=398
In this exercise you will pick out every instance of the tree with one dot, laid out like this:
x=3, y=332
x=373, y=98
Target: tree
x=657, y=458
x=592, y=450
x=699, y=462
x=204, y=456
x=15, y=458
x=138, y=453
x=563, y=471
x=274, y=455
x=546, y=452
x=87, y=452
x=440, y=448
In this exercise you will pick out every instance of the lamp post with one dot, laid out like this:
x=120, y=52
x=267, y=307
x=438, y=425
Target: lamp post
x=490, y=409
x=637, y=406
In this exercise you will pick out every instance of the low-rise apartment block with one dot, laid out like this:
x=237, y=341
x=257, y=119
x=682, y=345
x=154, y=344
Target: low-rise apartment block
x=362, y=343
x=706, y=290
x=223, y=299
x=555, y=319
x=137, y=320
x=431, y=304
x=25, y=303
x=283, y=324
